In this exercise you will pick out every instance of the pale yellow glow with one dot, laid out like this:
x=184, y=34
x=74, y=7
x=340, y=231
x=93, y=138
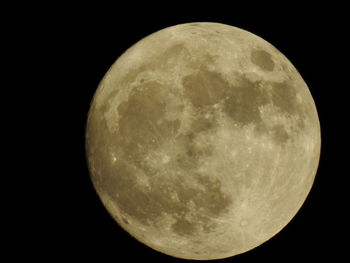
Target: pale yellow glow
x=203, y=141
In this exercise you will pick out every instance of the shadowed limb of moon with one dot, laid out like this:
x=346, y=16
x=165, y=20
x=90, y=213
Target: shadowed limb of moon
x=203, y=141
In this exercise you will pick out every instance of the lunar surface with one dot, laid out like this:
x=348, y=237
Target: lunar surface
x=203, y=141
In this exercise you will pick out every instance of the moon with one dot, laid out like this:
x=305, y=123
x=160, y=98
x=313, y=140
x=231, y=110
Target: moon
x=203, y=141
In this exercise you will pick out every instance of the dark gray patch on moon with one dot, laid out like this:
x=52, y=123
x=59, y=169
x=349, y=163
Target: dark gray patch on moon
x=183, y=227
x=142, y=128
x=120, y=184
x=279, y=134
x=211, y=200
x=132, y=74
x=142, y=124
x=147, y=206
x=284, y=97
x=262, y=59
x=203, y=124
x=172, y=53
x=244, y=100
x=215, y=202
x=204, y=88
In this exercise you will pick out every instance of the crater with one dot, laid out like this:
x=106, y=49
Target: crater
x=262, y=59
x=125, y=220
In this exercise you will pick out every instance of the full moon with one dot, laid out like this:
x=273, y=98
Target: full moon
x=203, y=141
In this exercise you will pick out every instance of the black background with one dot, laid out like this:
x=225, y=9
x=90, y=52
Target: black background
x=70, y=48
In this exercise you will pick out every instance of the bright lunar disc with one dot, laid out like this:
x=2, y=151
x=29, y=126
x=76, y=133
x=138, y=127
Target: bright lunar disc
x=203, y=141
